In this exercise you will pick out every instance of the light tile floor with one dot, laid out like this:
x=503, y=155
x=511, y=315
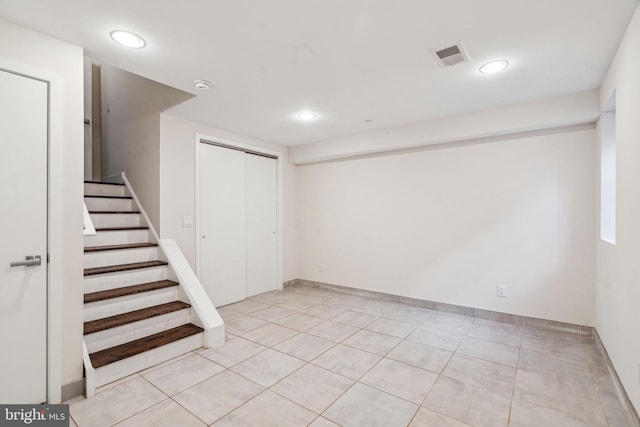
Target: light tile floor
x=306, y=356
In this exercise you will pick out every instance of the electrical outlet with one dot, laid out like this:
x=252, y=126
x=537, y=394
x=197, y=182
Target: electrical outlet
x=187, y=221
x=320, y=268
x=501, y=291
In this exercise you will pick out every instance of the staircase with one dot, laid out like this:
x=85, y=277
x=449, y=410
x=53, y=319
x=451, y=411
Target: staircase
x=134, y=316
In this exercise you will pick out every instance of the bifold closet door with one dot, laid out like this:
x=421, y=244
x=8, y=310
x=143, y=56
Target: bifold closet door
x=260, y=203
x=222, y=224
x=238, y=211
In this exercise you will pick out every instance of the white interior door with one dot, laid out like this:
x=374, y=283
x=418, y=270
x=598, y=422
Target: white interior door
x=23, y=227
x=261, y=221
x=222, y=224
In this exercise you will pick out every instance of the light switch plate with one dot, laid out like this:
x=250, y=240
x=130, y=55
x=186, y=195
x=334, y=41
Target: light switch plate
x=187, y=221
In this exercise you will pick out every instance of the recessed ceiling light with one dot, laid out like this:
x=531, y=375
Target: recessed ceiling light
x=494, y=66
x=202, y=84
x=307, y=115
x=128, y=39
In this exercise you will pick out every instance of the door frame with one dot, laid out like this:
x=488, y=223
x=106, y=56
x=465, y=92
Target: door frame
x=55, y=217
x=201, y=138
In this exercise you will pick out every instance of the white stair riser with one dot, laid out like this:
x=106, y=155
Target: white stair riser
x=125, y=304
x=126, y=333
x=119, y=256
x=103, y=189
x=121, y=237
x=115, y=220
x=102, y=204
x=137, y=363
x=102, y=282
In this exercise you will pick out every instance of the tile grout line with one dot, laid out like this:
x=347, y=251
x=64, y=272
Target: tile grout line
x=513, y=389
x=167, y=397
x=440, y=375
x=172, y=397
x=595, y=386
x=236, y=373
x=356, y=381
x=305, y=363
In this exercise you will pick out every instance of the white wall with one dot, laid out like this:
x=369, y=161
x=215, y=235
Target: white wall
x=618, y=271
x=177, y=186
x=131, y=107
x=66, y=61
x=449, y=224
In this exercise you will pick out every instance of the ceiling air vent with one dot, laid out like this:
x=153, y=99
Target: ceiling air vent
x=450, y=55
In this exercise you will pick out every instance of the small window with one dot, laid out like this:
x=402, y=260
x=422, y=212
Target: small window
x=608, y=172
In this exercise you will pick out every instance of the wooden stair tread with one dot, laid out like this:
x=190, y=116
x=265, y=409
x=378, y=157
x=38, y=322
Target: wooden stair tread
x=141, y=227
x=117, y=247
x=132, y=316
x=128, y=290
x=114, y=354
x=99, y=196
x=122, y=267
x=103, y=182
x=114, y=212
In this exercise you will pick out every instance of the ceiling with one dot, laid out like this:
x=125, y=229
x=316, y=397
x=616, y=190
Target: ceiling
x=360, y=65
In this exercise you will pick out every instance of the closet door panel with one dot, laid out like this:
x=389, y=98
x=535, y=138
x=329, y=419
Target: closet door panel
x=261, y=223
x=222, y=227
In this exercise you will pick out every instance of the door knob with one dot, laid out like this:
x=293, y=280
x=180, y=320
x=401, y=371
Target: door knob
x=29, y=261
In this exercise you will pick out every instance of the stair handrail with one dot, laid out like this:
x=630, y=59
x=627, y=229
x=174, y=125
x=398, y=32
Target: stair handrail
x=198, y=298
